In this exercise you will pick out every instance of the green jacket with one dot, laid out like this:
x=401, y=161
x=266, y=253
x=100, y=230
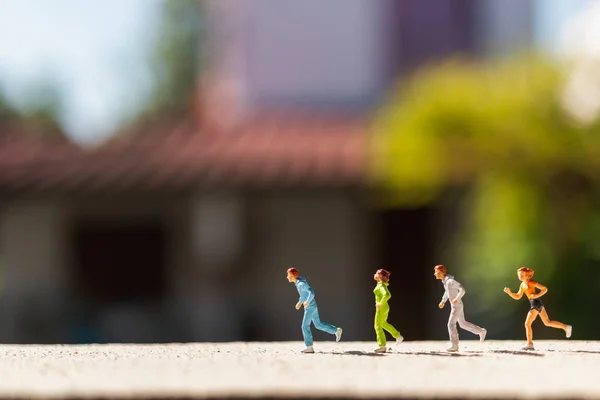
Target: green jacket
x=382, y=294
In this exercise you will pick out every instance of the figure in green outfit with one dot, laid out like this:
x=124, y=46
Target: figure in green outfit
x=382, y=295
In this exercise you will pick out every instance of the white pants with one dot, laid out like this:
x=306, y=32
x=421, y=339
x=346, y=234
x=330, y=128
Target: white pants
x=457, y=314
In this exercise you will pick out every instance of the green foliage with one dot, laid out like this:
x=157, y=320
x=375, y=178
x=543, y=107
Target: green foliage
x=44, y=107
x=39, y=114
x=500, y=131
x=7, y=110
x=174, y=58
x=455, y=122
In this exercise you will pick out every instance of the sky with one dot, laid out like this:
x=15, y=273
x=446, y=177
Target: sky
x=550, y=17
x=94, y=50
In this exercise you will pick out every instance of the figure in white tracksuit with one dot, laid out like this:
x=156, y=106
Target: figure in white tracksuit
x=454, y=292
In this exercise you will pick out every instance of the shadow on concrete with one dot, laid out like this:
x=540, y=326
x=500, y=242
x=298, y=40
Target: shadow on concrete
x=352, y=353
x=574, y=351
x=518, y=352
x=439, y=353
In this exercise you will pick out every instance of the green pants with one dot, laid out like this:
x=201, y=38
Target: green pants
x=381, y=323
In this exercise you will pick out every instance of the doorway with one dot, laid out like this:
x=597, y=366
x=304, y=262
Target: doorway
x=119, y=262
x=406, y=251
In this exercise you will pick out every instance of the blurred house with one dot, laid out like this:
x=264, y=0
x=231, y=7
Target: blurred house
x=183, y=231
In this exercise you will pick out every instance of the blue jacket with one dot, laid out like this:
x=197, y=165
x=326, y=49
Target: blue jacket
x=305, y=291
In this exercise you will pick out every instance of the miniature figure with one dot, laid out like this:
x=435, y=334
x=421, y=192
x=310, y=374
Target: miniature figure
x=311, y=312
x=382, y=295
x=528, y=287
x=454, y=291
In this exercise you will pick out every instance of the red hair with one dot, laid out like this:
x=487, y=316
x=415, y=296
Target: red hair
x=441, y=268
x=384, y=275
x=294, y=272
x=527, y=271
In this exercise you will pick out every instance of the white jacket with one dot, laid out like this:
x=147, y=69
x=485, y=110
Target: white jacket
x=452, y=290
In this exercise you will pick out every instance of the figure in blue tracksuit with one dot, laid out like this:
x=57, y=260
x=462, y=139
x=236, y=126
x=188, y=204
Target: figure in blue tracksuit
x=311, y=312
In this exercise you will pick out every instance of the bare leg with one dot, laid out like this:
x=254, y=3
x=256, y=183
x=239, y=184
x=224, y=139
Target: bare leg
x=553, y=324
x=531, y=316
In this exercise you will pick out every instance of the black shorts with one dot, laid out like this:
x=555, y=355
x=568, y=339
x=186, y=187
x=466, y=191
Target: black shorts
x=536, y=304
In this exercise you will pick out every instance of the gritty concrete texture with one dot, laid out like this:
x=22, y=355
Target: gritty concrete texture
x=494, y=369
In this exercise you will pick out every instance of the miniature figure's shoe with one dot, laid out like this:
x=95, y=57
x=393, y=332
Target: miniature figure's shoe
x=381, y=349
x=338, y=334
x=569, y=331
x=399, y=340
x=528, y=346
x=482, y=335
x=308, y=350
x=452, y=349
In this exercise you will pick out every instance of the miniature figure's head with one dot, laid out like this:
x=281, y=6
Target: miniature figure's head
x=439, y=271
x=524, y=273
x=381, y=275
x=292, y=274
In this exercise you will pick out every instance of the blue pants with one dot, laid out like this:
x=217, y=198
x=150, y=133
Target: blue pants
x=311, y=314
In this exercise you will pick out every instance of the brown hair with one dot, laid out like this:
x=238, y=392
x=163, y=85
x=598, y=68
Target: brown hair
x=441, y=268
x=384, y=275
x=294, y=272
x=528, y=272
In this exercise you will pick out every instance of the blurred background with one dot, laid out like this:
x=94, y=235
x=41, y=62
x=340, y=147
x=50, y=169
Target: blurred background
x=163, y=162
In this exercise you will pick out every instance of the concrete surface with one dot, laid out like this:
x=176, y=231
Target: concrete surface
x=494, y=369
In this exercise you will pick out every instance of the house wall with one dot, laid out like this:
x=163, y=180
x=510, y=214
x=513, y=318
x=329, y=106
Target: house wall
x=139, y=322
x=505, y=27
x=37, y=300
x=226, y=262
x=311, y=54
x=246, y=296
x=32, y=270
x=279, y=53
x=204, y=282
x=326, y=237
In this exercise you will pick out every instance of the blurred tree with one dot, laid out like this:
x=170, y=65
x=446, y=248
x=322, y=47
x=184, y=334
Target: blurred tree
x=174, y=60
x=43, y=108
x=7, y=111
x=499, y=131
x=39, y=114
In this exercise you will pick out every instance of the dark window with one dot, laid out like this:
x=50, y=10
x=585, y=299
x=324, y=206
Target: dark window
x=119, y=263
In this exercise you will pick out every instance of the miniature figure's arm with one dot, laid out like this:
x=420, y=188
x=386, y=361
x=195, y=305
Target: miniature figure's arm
x=307, y=294
x=310, y=295
x=444, y=297
x=299, y=303
x=516, y=296
x=303, y=292
x=460, y=294
x=386, y=294
x=543, y=290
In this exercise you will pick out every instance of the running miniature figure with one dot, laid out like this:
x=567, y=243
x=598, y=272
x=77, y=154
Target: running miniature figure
x=382, y=295
x=454, y=291
x=528, y=287
x=311, y=312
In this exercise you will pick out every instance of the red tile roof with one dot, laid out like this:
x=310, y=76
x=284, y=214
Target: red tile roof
x=264, y=150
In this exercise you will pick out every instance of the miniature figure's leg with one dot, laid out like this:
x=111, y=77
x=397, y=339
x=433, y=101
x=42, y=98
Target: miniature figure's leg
x=322, y=326
x=386, y=325
x=553, y=324
x=531, y=316
x=308, y=315
x=380, y=317
x=466, y=325
x=452, y=331
x=391, y=329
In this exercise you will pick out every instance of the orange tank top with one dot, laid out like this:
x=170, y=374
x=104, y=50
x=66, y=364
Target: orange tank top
x=528, y=288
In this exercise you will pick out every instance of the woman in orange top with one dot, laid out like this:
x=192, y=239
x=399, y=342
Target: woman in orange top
x=528, y=287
